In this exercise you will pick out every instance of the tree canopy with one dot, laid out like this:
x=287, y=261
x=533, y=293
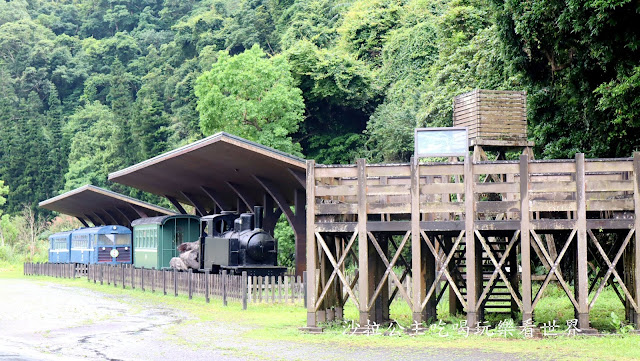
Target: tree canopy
x=91, y=86
x=251, y=96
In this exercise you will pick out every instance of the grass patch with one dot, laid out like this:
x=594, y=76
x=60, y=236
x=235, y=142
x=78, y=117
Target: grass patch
x=273, y=322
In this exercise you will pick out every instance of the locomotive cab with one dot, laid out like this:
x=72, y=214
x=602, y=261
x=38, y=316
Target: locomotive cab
x=238, y=243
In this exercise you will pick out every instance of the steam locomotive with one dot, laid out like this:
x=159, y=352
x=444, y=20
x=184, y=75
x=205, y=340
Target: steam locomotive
x=238, y=243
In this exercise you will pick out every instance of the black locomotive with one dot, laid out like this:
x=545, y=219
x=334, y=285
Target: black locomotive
x=238, y=243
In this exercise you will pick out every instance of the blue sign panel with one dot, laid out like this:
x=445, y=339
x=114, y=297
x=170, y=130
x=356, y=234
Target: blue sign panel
x=441, y=142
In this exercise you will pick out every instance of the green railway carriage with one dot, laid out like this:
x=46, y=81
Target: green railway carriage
x=155, y=239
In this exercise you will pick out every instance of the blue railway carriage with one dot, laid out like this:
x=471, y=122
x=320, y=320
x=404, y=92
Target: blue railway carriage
x=59, y=244
x=105, y=244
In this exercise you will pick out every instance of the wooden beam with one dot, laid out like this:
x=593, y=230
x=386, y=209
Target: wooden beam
x=525, y=239
x=199, y=208
x=215, y=197
x=84, y=223
x=124, y=214
x=416, y=256
x=242, y=193
x=299, y=176
x=470, y=244
x=176, y=204
x=311, y=247
x=636, y=255
x=141, y=213
x=92, y=220
x=582, y=285
x=300, y=202
x=115, y=221
x=363, y=243
x=277, y=196
x=103, y=220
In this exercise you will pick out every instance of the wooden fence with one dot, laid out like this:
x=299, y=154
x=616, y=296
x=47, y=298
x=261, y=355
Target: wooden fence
x=240, y=288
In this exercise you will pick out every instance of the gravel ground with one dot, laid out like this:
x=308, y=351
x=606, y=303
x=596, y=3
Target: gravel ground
x=46, y=321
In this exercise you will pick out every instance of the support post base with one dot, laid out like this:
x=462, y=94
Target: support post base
x=583, y=321
x=311, y=319
x=472, y=319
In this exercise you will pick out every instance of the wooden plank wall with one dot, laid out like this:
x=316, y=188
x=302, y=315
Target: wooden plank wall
x=492, y=114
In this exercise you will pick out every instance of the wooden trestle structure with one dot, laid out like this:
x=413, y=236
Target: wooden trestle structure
x=477, y=227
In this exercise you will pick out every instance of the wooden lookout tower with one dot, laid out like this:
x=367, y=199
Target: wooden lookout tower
x=487, y=231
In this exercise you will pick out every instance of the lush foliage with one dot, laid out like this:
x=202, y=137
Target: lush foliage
x=91, y=86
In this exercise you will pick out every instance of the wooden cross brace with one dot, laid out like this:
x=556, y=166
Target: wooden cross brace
x=600, y=275
x=389, y=270
x=443, y=269
x=612, y=268
x=498, y=270
x=336, y=268
x=554, y=268
x=405, y=272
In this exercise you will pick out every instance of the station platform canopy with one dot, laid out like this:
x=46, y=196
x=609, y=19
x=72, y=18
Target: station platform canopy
x=220, y=172
x=101, y=206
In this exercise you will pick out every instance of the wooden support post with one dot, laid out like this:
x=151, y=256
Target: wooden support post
x=224, y=287
x=470, y=244
x=206, y=285
x=190, y=283
x=142, y=278
x=175, y=283
x=312, y=291
x=525, y=238
x=636, y=248
x=153, y=280
x=416, y=248
x=582, y=288
x=306, y=291
x=363, y=243
x=164, y=282
x=244, y=290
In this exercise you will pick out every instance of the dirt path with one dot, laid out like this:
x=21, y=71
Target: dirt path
x=46, y=321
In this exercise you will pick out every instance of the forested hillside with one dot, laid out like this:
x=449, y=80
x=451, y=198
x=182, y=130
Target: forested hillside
x=91, y=86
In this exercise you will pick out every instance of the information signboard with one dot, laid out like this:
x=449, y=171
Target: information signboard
x=441, y=142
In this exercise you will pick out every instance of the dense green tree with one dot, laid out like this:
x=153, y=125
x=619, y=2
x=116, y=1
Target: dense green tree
x=94, y=148
x=579, y=60
x=252, y=96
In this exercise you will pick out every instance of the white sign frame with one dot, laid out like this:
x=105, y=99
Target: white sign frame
x=450, y=151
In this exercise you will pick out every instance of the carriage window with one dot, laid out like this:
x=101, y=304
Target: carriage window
x=179, y=235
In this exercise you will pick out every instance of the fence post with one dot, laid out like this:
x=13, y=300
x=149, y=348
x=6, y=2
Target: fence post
x=164, y=282
x=224, y=287
x=304, y=287
x=244, y=290
x=122, y=267
x=142, y=278
x=175, y=283
x=133, y=278
x=190, y=283
x=206, y=285
x=101, y=274
x=153, y=280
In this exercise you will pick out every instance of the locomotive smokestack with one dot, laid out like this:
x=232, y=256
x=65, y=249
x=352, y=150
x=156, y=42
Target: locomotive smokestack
x=257, y=212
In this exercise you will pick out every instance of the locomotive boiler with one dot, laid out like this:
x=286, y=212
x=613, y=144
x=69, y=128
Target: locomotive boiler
x=237, y=244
